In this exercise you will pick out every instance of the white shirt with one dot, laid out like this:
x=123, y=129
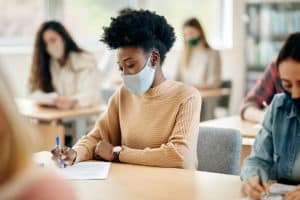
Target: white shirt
x=204, y=68
x=78, y=79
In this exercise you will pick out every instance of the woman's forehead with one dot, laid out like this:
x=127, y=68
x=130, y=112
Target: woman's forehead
x=127, y=53
x=289, y=69
x=50, y=34
x=190, y=29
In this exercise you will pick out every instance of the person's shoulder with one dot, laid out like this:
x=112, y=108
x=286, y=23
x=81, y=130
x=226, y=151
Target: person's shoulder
x=173, y=89
x=47, y=188
x=280, y=100
x=82, y=60
x=121, y=90
x=82, y=55
x=183, y=91
x=116, y=92
x=213, y=52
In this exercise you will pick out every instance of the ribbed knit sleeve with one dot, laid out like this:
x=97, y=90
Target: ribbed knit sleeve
x=106, y=128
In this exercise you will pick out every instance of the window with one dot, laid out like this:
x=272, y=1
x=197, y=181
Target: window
x=19, y=20
x=86, y=18
x=214, y=15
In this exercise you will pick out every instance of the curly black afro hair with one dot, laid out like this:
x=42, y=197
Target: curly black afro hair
x=143, y=29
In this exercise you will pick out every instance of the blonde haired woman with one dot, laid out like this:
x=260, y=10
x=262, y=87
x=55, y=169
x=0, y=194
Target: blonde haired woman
x=200, y=65
x=19, y=177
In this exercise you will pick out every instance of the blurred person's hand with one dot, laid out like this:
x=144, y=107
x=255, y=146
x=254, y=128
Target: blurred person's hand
x=294, y=194
x=65, y=103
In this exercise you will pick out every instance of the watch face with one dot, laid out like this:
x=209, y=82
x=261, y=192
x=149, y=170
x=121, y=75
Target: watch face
x=117, y=149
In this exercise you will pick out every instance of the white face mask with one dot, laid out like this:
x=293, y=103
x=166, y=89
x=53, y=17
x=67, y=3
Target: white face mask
x=140, y=82
x=56, y=50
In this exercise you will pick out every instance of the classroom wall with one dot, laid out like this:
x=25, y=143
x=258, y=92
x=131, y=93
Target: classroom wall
x=16, y=68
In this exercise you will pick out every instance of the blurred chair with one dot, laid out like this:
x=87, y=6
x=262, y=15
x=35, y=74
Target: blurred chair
x=222, y=108
x=219, y=150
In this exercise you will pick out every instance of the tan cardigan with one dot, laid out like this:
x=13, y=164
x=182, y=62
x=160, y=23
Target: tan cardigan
x=159, y=128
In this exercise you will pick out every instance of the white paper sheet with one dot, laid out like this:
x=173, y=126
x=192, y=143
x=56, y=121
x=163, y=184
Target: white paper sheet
x=276, y=192
x=46, y=99
x=281, y=188
x=86, y=171
x=44, y=160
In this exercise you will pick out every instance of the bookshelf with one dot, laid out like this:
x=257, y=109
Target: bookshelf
x=267, y=25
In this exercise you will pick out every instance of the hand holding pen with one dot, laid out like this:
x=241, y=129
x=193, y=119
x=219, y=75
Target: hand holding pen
x=255, y=187
x=58, y=147
x=65, y=155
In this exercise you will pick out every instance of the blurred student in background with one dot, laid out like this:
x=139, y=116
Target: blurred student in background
x=60, y=66
x=200, y=65
x=20, y=179
x=261, y=95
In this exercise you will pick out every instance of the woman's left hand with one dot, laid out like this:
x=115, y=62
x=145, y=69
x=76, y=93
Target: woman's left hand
x=65, y=103
x=294, y=194
x=104, y=150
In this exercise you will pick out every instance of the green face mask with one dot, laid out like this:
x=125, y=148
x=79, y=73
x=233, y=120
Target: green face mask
x=194, y=41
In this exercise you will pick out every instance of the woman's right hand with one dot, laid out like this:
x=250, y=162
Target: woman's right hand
x=65, y=153
x=253, y=188
x=65, y=103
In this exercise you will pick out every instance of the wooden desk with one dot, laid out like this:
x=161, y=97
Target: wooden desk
x=134, y=182
x=29, y=109
x=138, y=182
x=248, y=129
x=214, y=93
x=49, y=120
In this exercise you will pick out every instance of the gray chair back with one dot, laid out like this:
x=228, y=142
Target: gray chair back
x=219, y=150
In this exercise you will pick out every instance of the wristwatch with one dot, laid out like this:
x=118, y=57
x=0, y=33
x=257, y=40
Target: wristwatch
x=116, y=153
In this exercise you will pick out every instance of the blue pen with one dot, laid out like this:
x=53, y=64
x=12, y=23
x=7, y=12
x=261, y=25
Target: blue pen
x=61, y=162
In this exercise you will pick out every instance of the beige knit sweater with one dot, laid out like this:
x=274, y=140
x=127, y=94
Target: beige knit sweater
x=159, y=128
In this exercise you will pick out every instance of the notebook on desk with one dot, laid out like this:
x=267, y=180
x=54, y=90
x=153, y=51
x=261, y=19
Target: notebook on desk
x=90, y=170
x=45, y=99
x=86, y=171
x=276, y=192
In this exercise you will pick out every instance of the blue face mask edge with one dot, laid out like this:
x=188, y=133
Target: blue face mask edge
x=140, y=82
